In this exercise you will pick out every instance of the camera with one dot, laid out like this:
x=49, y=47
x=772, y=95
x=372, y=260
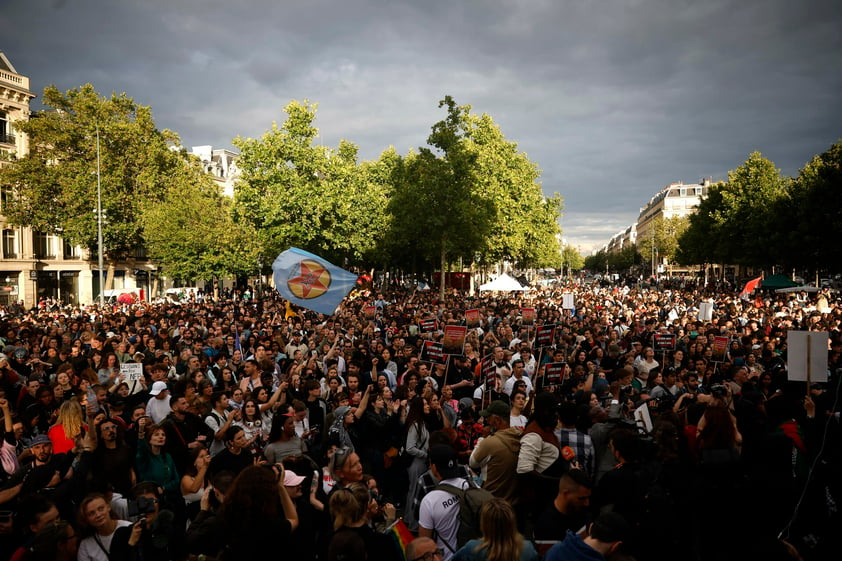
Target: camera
x=718, y=390
x=141, y=506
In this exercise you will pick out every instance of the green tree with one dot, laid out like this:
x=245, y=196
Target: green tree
x=436, y=205
x=667, y=232
x=56, y=183
x=597, y=262
x=571, y=259
x=191, y=232
x=296, y=193
x=734, y=223
x=811, y=214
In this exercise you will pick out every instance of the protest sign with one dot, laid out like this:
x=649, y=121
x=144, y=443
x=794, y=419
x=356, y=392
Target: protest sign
x=567, y=302
x=720, y=345
x=527, y=316
x=664, y=342
x=488, y=371
x=706, y=311
x=544, y=335
x=472, y=318
x=432, y=352
x=807, y=356
x=554, y=373
x=132, y=371
x=427, y=325
x=453, y=342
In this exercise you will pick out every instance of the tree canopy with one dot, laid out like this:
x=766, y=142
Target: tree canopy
x=55, y=184
x=293, y=192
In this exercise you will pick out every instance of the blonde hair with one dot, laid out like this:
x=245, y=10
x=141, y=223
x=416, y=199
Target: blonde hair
x=70, y=418
x=348, y=505
x=498, y=526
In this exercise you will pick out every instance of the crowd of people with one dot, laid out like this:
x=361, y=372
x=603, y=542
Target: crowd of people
x=227, y=427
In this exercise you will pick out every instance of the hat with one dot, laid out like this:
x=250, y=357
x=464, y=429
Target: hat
x=497, y=407
x=157, y=388
x=3, y=358
x=444, y=457
x=110, y=334
x=40, y=439
x=291, y=479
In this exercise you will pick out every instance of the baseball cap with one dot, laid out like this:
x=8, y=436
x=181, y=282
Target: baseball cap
x=497, y=407
x=443, y=456
x=291, y=479
x=157, y=388
x=40, y=439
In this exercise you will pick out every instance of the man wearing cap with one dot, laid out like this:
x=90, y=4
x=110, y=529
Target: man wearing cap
x=497, y=454
x=158, y=406
x=439, y=512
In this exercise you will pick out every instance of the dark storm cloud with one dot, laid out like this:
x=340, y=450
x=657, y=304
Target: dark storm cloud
x=613, y=99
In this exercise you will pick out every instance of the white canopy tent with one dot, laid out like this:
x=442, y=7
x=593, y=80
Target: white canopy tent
x=503, y=283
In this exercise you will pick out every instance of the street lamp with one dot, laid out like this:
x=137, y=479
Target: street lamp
x=99, y=223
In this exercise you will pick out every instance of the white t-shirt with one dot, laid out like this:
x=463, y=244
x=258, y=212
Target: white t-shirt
x=440, y=512
x=89, y=549
x=158, y=409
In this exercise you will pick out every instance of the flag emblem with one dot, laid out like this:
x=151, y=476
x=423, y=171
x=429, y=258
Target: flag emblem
x=307, y=280
x=312, y=281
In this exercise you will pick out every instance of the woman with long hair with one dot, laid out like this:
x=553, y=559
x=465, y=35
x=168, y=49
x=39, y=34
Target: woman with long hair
x=194, y=480
x=151, y=461
x=109, y=370
x=251, y=421
x=69, y=425
x=500, y=539
x=417, y=445
x=257, y=504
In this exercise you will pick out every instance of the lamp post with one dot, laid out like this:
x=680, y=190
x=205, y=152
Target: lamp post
x=99, y=223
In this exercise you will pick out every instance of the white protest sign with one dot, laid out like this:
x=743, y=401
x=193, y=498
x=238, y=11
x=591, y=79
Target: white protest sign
x=807, y=356
x=567, y=301
x=705, y=311
x=643, y=417
x=132, y=371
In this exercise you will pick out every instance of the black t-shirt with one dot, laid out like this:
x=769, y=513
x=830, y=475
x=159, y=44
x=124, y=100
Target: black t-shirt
x=552, y=525
x=227, y=460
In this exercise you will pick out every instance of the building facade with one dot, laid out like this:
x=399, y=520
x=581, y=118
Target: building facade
x=33, y=265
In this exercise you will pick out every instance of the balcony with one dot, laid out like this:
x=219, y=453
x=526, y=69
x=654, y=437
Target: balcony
x=6, y=138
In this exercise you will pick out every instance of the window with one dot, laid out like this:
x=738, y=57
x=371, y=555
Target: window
x=683, y=191
x=6, y=195
x=42, y=246
x=6, y=135
x=10, y=244
x=140, y=253
x=70, y=251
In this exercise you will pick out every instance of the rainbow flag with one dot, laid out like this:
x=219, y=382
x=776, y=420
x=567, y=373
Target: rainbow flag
x=401, y=536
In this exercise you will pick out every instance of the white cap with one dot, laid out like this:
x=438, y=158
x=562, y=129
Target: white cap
x=157, y=388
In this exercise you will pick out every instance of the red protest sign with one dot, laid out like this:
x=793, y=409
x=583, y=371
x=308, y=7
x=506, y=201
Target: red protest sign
x=453, y=341
x=527, y=316
x=544, y=335
x=472, y=318
x=664, y=342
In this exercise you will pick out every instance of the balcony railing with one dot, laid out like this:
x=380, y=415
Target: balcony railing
x=6, y=138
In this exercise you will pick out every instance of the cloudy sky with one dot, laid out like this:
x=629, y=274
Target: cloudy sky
x=614, y=99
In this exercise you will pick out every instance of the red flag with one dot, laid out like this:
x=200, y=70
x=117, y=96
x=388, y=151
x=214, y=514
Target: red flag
x=750, y=287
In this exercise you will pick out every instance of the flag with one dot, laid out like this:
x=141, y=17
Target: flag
x=401, y=536
x=237, y=345
x=749, y=288
x=290, y=313
x=309, y=281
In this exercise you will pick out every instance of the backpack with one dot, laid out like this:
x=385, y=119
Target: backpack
x=470, y=503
